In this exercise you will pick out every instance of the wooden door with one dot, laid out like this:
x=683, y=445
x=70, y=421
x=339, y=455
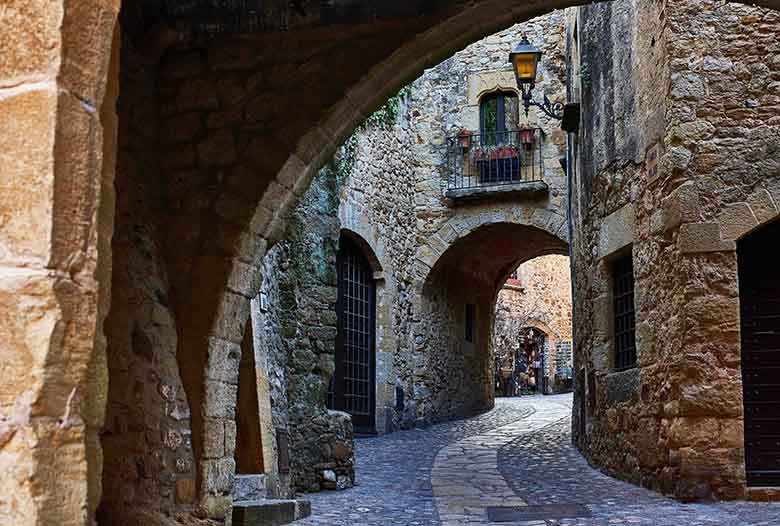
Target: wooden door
x=759, y=290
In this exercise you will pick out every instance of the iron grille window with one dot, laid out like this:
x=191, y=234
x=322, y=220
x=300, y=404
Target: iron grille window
x=353, y=388
x=625, y=335
x=470, y=322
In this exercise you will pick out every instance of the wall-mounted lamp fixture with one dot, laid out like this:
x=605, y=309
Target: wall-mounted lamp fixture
x=525, y=61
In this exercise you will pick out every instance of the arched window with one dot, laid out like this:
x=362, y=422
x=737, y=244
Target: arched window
x=353, y=385
x=498, y=115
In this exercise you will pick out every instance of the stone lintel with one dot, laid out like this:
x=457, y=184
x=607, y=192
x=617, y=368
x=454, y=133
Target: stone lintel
x=523, y=189
x=697, y=238
x=617, y=231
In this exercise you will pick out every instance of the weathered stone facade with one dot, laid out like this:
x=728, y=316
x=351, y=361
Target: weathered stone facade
x=58, y=128
x=386, y=189
x=537, y=296
x=676, y=160
x=298, y=322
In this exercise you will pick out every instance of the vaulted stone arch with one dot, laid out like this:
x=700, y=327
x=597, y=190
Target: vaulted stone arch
x=57, y=130
x=358, y=228
x=464, y=224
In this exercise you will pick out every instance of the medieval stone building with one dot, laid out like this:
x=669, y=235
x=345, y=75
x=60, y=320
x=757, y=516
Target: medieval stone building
x=675, y=179
x=384, y=240
x=532, y=341
x=171, y=249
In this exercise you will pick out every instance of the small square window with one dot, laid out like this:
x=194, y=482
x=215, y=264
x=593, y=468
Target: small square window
x=470, y=315
x=623, y=307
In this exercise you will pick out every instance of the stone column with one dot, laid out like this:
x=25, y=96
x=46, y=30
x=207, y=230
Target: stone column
x=56, y=217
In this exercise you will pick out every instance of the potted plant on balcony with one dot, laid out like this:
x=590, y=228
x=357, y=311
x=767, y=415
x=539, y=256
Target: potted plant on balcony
x=464, y=139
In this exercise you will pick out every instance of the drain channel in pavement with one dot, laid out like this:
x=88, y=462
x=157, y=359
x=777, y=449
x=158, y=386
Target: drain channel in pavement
x=538, y=512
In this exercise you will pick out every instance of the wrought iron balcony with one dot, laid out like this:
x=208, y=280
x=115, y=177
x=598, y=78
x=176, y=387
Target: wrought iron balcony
x=495, y=162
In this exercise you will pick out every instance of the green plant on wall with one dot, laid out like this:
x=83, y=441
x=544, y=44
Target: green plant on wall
x=343, y=163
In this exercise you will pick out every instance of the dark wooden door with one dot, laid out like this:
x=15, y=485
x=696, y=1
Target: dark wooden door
x=354, y=379
x=759, y=291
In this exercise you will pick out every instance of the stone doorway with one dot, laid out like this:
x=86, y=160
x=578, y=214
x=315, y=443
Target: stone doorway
x=353, y=386
x=759, y=292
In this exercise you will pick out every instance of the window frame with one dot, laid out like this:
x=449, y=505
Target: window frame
x=624, y=313
x=499, y=134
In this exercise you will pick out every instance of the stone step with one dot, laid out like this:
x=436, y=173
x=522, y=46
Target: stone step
x=249, y=487
x=269, y=512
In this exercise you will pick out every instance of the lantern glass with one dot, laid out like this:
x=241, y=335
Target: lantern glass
x=525, y=61
x=525, y=67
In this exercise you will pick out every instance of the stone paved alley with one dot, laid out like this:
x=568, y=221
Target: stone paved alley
x=519, y=454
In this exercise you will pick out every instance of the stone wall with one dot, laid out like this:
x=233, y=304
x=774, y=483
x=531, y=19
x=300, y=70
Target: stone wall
x=147, y=445
x=677, y=160
x=299, y=332
x=387, y=183
x=539, y=297
x=397, y=191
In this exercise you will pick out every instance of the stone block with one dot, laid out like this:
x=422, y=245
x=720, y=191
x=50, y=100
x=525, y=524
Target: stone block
x=617, y=231
x=27, y=125
x=622, y=386
x=736, y=220
x=682, y=206
x=31, y=40
x=696, y=238
x=267, y=512
x=230, y=437
x=602, y=318
x=185, y=492
x=245, y=279
x=220, y=400
x=223, y=360
x=218, y=475
x=214, y=438
x=86, y=54
x=602, y=357
x=484, y=81
x=215, y=506
x=762, y=205
x=249, y=487
x=231, y=317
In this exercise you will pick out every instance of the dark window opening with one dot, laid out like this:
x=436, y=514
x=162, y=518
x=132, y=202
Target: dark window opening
x=498, y=117
x=623, y=293
x=470, y=314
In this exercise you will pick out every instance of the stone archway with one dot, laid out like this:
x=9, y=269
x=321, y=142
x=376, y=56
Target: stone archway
x=458, y=292
x=54, y=91
x=386, y=340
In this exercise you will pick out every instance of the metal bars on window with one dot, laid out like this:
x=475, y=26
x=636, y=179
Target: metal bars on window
x=353, y=391
x=623, y=293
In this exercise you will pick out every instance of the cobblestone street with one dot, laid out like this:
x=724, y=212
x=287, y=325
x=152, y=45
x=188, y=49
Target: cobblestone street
x=515, y=457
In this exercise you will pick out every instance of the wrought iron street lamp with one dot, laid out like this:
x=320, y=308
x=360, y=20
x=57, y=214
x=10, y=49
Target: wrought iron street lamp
x=525, y=61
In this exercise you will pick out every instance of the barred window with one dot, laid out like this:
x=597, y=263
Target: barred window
x=623, y=292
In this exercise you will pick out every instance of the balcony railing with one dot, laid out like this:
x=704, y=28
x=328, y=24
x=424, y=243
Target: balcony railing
x=495, y=159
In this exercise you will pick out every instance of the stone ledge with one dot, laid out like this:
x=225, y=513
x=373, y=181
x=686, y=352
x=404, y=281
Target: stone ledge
x=269, y=512
x=249, y=488
x=528, y=188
